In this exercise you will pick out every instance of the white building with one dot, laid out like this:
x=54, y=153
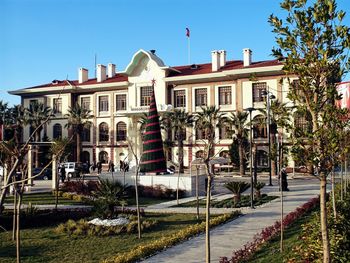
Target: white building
x=118, y=99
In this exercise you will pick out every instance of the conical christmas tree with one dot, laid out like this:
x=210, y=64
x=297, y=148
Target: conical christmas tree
x=152, y=159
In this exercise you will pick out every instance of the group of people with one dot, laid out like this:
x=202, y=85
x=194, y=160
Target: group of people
x=124, y=166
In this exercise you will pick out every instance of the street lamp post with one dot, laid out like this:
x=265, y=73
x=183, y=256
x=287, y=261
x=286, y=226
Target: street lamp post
x=250, y=110
x=269, y=97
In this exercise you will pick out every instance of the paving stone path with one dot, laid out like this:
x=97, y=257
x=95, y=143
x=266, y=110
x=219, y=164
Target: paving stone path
x=235, y=234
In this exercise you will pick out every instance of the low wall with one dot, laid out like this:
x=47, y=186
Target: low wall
x=186, y=182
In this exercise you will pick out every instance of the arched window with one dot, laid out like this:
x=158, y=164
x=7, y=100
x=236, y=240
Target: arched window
x=121, y=131
x=85, y=157
x=103, y=157
x=85, y=135
x=103, y=132
x=260, y=128
x=261, y=158
x=224, y=154
x=57, y=131
x=200, y=154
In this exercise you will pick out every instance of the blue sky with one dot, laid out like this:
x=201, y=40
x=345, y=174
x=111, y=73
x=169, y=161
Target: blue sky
x=42, y=40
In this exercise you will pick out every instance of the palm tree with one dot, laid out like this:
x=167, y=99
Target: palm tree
x=3, y=111
x=37, y=114
x=78, y=120
x=179, y=120
x=240, y=126
x=237, y=188
x=208, y=119
x=110, y=194
x=280, y=117
x=17, y=121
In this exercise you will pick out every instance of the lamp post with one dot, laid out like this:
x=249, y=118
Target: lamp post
x=269, y=97
x=250, y=110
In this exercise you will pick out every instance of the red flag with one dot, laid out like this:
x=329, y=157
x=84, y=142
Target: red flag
x=187, y=32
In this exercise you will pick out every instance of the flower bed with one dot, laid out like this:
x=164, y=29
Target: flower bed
x=168, y=241
x=266, y=234
x=84, y=228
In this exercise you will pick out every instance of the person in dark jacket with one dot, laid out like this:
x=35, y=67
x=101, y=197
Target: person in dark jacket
x=284, y=180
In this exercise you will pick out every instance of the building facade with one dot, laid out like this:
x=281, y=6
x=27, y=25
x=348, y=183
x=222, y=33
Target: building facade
x=118, y=100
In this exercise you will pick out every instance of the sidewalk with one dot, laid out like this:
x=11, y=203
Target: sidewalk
x=235, y=234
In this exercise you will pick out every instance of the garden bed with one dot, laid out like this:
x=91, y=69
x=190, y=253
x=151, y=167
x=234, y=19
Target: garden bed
x=45, y=245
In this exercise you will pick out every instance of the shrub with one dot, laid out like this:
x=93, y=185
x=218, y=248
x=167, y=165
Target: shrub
x=237, y=188
x=160, y=191
x=83, y=228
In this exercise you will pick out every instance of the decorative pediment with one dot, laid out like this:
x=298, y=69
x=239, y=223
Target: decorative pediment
x=142, y=58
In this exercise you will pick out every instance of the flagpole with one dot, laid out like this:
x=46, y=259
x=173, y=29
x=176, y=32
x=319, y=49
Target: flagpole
x=189, y=50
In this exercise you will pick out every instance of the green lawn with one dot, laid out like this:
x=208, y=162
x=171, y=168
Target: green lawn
x=43, y=198
x=228, y=203
x=44, y=245
x=271, y=251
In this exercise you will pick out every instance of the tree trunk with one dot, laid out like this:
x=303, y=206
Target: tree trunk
x=273, y=167
x=207, y=220
x=181, y=156
x=18, y=230
x=236, y=198
x=78, y=147
x=324, y=228
x=333, y=195
x=177, y=187
x=37, y=139
x=137, y=203
x=14, y=224
x=241, y=160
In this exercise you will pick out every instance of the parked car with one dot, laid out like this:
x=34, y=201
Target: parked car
x=46, y=175
x=73, y=169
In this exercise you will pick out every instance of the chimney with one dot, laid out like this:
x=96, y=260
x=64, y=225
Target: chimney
x=247, y=57
x=215, y=60
x=222, y=58
x=111, y=70
x=83, y=75
x=101, y=72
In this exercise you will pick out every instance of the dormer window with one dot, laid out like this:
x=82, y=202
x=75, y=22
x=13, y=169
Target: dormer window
x=146, y=93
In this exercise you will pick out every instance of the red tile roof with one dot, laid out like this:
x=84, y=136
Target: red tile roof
x=206, y=68
x=60, y=83
x=184, y=71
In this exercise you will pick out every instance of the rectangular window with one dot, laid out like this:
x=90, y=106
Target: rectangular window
x=224, y=132
x=33, y=101
x=146, y=93
x=57, y=106
x=85, y=103
x=225, y=95
x=120, y=102
x=180, y=98
x=201, y=97
x=258, y=90
x=103, y=103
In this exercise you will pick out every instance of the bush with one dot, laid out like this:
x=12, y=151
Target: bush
x=83, y=228
x=160, y=192
x=79, y=187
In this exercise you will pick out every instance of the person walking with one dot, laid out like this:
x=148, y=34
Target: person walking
x=63, y=173
x=99, y=167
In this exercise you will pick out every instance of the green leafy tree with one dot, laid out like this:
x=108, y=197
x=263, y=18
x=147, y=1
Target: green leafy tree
x=313, y=44
x=78, y=120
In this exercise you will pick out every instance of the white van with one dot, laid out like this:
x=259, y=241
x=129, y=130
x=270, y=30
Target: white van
x=72, y=169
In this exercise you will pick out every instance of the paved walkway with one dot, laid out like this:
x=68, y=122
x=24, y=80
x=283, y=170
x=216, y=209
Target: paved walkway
x=235, y=234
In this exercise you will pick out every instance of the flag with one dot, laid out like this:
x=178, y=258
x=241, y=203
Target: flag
x=153, y=158
x=187, y=32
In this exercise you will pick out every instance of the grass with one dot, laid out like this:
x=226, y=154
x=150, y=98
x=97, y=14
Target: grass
x=228, y=203
x=44, y=245
x=43, y=198
x=270, y=252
